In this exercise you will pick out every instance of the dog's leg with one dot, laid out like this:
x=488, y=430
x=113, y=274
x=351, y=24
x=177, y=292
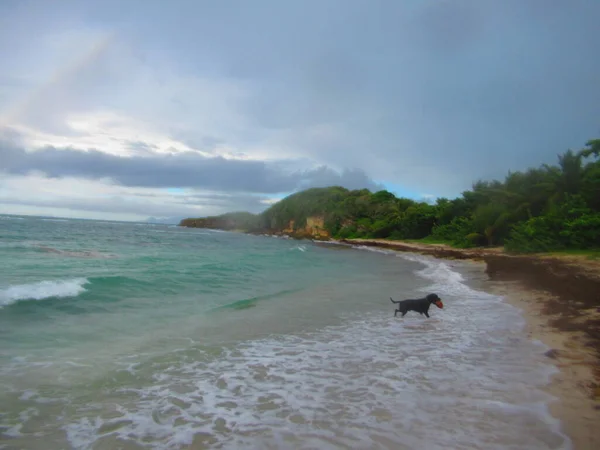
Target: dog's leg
x=404, y=313
x=396, y=312
x=427, y=314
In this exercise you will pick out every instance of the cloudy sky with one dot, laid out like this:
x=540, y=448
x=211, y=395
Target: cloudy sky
x=135, y=108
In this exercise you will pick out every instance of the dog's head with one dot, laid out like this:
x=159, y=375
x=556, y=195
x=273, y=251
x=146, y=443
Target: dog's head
x=433, y=298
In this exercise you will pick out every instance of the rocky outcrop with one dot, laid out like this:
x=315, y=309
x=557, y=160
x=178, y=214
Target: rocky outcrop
x=315, y=226
x=314, y=229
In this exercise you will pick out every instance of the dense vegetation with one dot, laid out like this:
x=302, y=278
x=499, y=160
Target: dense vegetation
x=243, y=221
x=550, y=208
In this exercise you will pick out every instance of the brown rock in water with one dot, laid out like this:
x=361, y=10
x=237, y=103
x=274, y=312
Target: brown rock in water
x=552, y=353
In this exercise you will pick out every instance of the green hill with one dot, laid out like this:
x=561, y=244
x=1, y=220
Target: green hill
x=541, y=209
x=242, y=221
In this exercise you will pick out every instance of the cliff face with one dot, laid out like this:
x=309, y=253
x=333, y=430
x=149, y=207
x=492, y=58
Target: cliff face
x=314, y=229
x=315, y=226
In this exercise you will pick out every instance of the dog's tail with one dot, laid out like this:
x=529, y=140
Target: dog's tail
x=394, y=301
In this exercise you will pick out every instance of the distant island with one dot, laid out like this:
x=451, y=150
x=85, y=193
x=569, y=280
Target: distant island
x=545, y=209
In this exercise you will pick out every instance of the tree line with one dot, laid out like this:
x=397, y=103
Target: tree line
x=549, y=208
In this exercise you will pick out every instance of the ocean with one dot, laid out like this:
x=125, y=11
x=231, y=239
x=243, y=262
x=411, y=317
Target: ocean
x=141, y=336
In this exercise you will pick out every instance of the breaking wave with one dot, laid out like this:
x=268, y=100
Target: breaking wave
x=42, y=290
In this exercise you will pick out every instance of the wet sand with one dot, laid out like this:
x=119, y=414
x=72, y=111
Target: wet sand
x=560, y=300
x=575, y=384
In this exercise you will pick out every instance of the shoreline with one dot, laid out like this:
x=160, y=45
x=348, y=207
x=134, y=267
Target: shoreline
x=559, y=298
x=573, y=401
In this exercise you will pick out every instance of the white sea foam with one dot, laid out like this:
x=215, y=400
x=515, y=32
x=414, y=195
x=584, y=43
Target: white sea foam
x=453, y=381
x=42, y=290
x=14, y=430
x=54, y=220
x=11, y=218
x=371, y=383
x=376, y=382
x=316, y=241
x=374, y=249
x=164, y=231
x=444, y=279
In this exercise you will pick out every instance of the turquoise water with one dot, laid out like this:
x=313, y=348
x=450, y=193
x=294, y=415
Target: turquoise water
x=66, y=283
x=123, y=335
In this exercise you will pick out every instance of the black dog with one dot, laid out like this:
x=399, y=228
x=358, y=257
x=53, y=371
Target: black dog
x=420, y=305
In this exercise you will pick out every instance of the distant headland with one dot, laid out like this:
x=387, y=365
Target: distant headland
x=546, y=209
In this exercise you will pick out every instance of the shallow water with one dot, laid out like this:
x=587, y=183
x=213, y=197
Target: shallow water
x=143, y=336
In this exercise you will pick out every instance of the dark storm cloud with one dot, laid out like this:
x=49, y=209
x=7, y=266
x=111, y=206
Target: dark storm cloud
x=427, y=95
x=183, y=170
x=430, y=95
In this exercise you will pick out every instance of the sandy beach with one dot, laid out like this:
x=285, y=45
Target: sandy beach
x=575, y=384
x=560, y=299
